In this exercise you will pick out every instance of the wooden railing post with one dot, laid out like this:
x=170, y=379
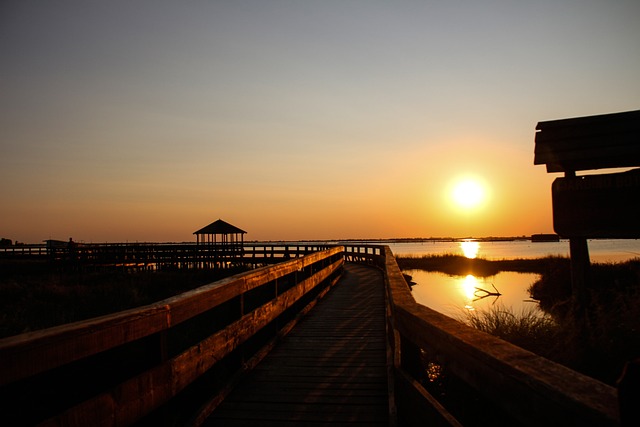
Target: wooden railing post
x=514, y=380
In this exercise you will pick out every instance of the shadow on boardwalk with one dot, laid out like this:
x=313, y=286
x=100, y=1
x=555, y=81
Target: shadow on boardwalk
x=331, y=369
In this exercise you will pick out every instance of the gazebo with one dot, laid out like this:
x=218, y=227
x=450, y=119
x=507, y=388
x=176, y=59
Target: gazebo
x=220, y=240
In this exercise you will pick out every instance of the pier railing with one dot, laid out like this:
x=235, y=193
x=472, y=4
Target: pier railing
x=528, y=389
x=134, y=256
x=118, y=369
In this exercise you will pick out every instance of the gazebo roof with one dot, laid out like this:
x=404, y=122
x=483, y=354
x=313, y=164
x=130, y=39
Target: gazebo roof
x=220, y=227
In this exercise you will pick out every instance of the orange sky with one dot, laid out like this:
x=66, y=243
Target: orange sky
x=127, y=121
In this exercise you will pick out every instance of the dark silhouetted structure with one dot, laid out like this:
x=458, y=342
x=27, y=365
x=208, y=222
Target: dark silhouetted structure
x=545, y=238
x=593, y=142
x=219, y=242
x=595, y=206
x=220, y=233
x=592, y=206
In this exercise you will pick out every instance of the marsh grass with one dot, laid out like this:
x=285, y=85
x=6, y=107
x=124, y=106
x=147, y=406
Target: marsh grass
x=528, y=329
x=597, y=343
x=36, y=296
x=600, y=350
x=459, y=265
x=607, y=335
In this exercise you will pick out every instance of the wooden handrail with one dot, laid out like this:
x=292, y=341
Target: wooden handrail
x=152, y=340
x=531, y=389
x=158, y=255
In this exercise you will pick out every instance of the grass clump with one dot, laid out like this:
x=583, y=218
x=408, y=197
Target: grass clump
x=599, y=339
x=528, y=329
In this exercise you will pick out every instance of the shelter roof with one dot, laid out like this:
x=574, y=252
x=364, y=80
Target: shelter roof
x=220, y=227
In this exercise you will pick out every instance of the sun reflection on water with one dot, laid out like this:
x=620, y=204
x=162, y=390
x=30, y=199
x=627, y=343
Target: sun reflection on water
x=470, y=248
x=468, y=287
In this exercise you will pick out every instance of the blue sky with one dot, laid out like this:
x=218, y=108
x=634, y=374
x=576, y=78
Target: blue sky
x=295, y=119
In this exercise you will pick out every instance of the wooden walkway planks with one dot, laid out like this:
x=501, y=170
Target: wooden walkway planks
x=330, y=370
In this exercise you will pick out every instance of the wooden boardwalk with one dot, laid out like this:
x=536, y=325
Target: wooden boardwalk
x=330, y=370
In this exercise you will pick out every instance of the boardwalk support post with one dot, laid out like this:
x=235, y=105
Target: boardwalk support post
x=580, y=278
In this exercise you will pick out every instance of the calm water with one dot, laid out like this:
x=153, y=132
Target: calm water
x=599, y=250
x=452, y=295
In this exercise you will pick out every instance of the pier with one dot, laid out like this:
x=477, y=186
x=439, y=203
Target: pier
x=330, y=337
x=156, y=256
x=331, y=368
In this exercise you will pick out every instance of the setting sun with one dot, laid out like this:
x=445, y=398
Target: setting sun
x=468, y=193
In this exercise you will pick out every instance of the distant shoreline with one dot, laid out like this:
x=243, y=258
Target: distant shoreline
x=396, y=240
x=312, y=241
x=343, y=241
